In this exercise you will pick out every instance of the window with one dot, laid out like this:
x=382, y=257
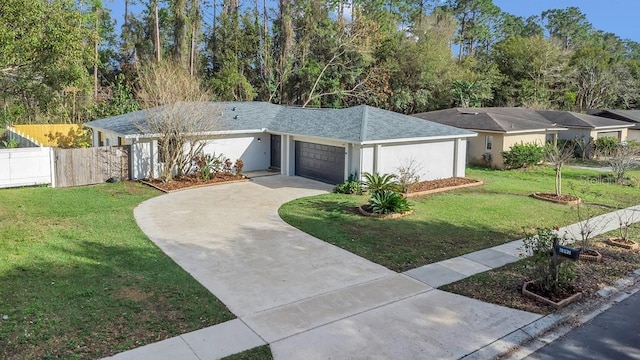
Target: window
x=100, y=138
x=121, y=141
x=489, y=142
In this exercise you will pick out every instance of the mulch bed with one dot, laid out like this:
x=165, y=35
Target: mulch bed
x=564, y=198
x=557, y=296
x=190, y=181
x=440, y=183
x=503, y=286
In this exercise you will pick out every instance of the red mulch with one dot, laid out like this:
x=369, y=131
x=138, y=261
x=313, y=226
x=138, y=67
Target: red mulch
x=554, y=197
x=192, y=181
x=440, y=183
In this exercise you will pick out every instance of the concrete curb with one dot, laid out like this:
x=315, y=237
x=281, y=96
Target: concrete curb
x=532, y=337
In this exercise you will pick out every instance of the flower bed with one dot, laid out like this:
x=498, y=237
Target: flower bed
x=440, y=185
x=192, y=181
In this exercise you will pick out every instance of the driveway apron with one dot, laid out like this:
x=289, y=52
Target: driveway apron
x=309, y=299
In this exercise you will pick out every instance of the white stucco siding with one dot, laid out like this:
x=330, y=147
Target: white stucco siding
x=434, y=160
x=367, y=160
x=254, y=151
x=461, y=161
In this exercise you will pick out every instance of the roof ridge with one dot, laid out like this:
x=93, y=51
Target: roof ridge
x=495, y=121
x=363, y=128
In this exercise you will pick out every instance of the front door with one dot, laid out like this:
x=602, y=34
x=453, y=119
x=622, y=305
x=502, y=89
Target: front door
x=275, y=151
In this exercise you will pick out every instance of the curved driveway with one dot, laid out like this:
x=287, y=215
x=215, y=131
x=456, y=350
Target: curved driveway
x=307, y=298
x=231, y=239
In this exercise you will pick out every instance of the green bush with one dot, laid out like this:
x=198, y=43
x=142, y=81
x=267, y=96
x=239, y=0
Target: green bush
x=388, y=202
x=606, y=145
x=376, y=182
x=523, y=155
x=349, y=187
x=549, y=275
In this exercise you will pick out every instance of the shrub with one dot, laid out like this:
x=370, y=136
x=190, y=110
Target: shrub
x=408, y=174
x=10, y=144
x=523, y=155
x=376, y=182
x=350, y=186
x=550, y=274
x=238, y=166
x=208, y=165
x=605, y=146
x=388, y=202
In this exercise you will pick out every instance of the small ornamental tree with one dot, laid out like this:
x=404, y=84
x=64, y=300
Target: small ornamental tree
x=558, y=155
x=176, y=114
x=621, y=159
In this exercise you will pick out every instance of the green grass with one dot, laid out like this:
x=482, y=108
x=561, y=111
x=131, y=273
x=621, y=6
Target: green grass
x=78, y=279
x=454, y=223
x=258, y=353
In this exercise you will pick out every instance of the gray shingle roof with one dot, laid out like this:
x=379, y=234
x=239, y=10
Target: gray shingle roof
x=630, y=116
x=516, y=119
x=489, y=119
x=357, y=124
x=577, y=120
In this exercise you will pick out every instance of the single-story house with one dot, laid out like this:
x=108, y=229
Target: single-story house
x=583, y=127
x=323, y=144
x=498, y=130
x=629, y=116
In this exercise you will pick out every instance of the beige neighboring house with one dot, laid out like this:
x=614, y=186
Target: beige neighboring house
x=629, y=116
x=584, y=127
x=498, y=129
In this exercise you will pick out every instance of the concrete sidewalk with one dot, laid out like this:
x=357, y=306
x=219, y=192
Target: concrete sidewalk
x=309, y=299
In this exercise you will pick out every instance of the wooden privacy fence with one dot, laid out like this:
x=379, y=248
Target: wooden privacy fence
x=86, y=166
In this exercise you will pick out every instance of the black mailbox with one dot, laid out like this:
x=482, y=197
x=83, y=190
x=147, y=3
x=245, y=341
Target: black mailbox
x=568, y=252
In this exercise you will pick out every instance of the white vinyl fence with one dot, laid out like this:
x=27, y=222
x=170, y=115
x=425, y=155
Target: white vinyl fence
x=26, y=167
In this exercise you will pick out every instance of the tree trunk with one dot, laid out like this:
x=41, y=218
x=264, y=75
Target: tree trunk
x=179, y=31
x=156, y=31
x=286, y=43
x=558, y=181
x=194, y=30
x=96, y=56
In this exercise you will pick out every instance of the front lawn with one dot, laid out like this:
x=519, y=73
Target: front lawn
x=450, y=224
x=78, y=279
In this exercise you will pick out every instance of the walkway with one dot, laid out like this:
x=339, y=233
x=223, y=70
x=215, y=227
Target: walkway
x=309, y=299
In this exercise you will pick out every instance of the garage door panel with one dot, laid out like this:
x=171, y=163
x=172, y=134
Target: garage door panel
x=320, y=162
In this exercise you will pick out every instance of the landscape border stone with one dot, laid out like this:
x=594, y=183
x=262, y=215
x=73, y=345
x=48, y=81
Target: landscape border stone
x=439, y=190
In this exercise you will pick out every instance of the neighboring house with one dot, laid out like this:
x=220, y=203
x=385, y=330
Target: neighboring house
x=498, y=129
x=583, y=127
x=323, y=144
x=629, y=116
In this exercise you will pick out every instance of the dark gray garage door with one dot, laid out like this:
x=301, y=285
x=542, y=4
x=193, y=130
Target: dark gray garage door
x=320, y=162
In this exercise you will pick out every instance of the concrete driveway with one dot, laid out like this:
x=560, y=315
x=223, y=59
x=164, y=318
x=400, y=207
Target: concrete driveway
x=306, y=298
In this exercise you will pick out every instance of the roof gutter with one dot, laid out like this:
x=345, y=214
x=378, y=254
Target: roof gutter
x=417, y=139
x=204, y=133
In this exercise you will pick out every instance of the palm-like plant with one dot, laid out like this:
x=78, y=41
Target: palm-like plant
x=375, y=182
x=388, y=202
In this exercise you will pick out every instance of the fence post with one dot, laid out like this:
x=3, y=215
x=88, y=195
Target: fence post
x=52, y=167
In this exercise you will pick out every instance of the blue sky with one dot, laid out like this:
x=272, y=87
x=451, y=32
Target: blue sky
x=617, y=16
x=620, y=17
